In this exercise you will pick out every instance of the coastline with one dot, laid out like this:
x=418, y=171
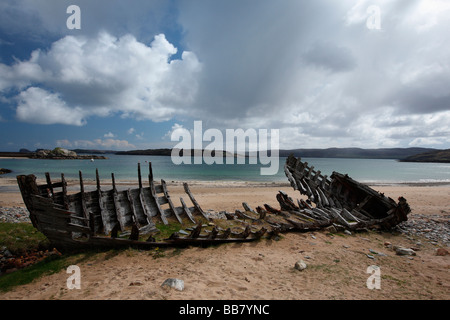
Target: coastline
x=264, y=270
x=427, y=198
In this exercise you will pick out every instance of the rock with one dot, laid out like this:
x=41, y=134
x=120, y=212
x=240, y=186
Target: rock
x=300, y=265
x=348, y=232
x=7, y=253
x=4, y=171
x=174, y=283
x=441, y=252
x=404, y=251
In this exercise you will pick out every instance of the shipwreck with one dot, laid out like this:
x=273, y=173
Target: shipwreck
x=113, y=218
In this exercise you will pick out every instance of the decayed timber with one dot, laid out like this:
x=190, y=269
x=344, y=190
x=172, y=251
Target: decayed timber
x=130, y=217
x=340, y=199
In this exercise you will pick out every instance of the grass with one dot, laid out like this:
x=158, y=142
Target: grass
x=49, y=265
x=166, y=230
x=22, y=237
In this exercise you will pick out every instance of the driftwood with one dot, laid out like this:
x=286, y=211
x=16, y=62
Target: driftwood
x=131, y=217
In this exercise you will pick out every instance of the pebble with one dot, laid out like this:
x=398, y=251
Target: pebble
x=174, y=283
x=14, y=215
x=441, y=252
x=300, y=265
x=404, y=251
x=435, y=228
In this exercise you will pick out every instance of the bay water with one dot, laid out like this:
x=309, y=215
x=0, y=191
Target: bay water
x=124, y=167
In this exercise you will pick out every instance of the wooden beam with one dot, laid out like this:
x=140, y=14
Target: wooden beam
x=196, y=205
x=49, y=186
x=90, y=222
x=139, y=176
x=64, y=190
x=187, y=211
x=171, y=206
x=158, y=206
x=133, y=209
x=150, y=172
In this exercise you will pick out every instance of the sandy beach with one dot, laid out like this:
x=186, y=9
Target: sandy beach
x=336, y=263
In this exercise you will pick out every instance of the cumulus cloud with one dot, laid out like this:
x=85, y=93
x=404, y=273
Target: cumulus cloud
x=312, y=69
x=109, y=135
x=102, y=76
x=36, y=105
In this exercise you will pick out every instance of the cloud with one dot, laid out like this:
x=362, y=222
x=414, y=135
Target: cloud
x=102, y=76
x=109, y=135
x=36, y=105
x=331, y=57
x=318, y=73
x=312, y=69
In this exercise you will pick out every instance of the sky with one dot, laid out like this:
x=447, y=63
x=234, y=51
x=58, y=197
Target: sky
x=325, y=73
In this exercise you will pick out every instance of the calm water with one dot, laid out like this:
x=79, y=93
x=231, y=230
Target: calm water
x=125, y=168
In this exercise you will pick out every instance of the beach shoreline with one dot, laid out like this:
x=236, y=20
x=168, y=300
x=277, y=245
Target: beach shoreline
x=264, y=270
x=427, y=198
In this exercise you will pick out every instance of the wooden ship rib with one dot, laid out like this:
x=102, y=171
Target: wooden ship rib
x=130, y=217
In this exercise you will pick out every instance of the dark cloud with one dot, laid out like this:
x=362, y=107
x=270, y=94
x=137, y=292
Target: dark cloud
x=330, y=56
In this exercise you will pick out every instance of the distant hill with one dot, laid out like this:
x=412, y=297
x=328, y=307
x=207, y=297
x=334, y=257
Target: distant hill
x=148, y=152
x=358, y=153
x=93, y=151
x=385, y=153
x=432, y=156
x=161, y=152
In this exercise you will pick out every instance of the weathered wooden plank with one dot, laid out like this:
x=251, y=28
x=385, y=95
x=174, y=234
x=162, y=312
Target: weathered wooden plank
x=64, y=191
x=136, y=218
x=89, y=218
x=158, y=206
x=150, y=172
x=49, y=185
x=139, y=176
x=187, y=211
x=169, y=200
x=119, y=212
x=248, y=208
x=144, y=206
x=196, y=205
x=149, y=203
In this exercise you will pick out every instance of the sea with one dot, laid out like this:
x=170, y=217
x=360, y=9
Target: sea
x=124, y=167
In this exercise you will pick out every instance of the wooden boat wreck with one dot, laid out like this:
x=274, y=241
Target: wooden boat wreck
x=133, y=217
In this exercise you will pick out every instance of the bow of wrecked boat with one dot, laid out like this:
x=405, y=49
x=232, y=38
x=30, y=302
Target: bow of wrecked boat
x=131, y=217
